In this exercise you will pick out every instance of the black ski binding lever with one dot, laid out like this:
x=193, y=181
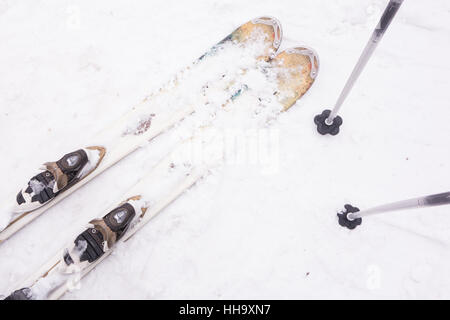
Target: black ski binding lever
x=323, y=127
x=345, y=221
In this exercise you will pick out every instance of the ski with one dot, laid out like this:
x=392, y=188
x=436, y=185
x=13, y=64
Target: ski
x=264, y=92
x=255, y=40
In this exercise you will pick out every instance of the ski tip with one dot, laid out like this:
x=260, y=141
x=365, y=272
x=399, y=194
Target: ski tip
x=275, y=24
x=303, y=65
x=343, y=219
x=311, y=57
x=265, y=28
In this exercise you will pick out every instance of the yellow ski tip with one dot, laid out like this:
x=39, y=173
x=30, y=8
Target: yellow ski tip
x=302, y=66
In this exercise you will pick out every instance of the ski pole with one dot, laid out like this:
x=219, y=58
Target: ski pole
x=328, y=122
x=351, y=217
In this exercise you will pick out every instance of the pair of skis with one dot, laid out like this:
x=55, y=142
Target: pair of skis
x=257, y=82
x=259, y=38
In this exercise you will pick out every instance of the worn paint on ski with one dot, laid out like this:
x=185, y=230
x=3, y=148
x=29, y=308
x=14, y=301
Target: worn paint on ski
x=302, y=65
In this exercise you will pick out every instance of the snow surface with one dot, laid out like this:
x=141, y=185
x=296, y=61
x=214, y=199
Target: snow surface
x=69, y=69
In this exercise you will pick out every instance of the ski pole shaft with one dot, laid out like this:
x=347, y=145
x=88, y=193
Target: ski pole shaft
x=385, y=21
x=427, y=201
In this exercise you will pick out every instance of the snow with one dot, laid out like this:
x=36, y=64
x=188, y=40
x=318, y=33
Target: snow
x=37, y=186
x=68, y=70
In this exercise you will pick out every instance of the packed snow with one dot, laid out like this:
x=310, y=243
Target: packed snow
x=70, y=69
